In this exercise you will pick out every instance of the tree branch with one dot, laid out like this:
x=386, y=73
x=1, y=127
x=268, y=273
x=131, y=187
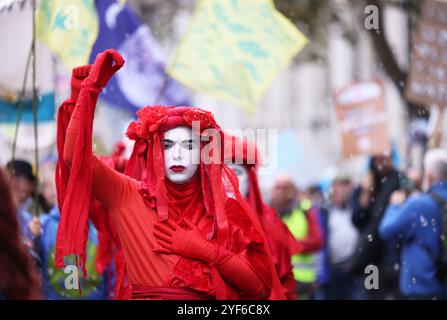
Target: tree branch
x=389, y=62
x=384, y=51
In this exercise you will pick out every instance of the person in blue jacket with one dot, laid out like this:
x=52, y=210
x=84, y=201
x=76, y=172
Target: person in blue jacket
x=23, y=187
x=417, y=223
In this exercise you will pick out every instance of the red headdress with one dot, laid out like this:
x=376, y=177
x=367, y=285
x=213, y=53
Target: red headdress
x=146, y=163
x=241, y=151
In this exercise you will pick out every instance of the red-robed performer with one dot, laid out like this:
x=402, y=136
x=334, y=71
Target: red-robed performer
x=243, y=158
x=182, y=237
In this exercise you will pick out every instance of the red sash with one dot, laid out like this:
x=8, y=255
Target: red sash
x=166, y=293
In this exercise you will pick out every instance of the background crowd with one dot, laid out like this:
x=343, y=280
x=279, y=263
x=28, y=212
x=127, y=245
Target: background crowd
x=392, y=220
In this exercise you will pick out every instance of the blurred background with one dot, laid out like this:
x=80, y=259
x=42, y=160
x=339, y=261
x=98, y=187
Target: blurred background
x=298, y=103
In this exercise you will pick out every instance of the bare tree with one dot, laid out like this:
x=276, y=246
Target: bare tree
x=313, y=17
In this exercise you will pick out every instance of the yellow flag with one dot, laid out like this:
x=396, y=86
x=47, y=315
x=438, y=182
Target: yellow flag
x=69, y=28
x=234, y=49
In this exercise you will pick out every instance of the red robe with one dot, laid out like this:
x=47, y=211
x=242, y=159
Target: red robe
x=134, y=222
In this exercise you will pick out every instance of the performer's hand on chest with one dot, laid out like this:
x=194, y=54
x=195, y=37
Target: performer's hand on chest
x=185, y=241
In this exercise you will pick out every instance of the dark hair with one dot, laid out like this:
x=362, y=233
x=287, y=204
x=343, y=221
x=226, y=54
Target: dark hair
x=314, y=189
x=21, y=168
x=378, y=176
x=342, y=180
x=18, y=277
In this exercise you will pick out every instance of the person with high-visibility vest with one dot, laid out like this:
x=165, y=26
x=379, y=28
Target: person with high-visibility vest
x=301, y=217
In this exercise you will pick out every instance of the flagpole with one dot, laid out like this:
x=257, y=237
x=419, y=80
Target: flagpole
x=20, y=106
x=36, y=144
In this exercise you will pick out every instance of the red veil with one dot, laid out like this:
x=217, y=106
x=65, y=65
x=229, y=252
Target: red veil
x=108, y=242
x=281, y=240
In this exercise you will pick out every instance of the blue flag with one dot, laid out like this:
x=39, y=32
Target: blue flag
x=45, y=109
x=143, y=80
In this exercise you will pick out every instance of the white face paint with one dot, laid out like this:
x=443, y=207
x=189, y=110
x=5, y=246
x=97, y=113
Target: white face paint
x=242, y=174
x=182, y=154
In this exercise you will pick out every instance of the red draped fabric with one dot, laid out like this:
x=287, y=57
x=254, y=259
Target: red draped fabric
x=136, y=201
x=281, y=241
x=108, y=242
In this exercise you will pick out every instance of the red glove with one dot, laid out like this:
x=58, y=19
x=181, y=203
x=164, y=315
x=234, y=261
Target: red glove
x=187, y=242
x=77, y=76
x=106, y=64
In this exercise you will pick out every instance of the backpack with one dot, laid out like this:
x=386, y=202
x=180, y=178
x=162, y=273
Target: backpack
x=442, y=262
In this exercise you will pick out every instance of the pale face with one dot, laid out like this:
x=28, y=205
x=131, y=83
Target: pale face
x=49, y=192
x=284, y=194
x=340, y=193
x=242, y=174
x=21, y=189
x=182, y=154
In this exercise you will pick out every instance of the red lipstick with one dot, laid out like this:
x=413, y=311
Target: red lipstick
x=177, y=169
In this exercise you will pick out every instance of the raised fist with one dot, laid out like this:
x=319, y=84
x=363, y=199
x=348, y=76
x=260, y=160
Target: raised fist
x=77, y=76
x=106, y=64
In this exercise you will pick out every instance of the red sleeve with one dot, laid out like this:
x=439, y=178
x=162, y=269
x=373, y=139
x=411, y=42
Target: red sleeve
x=109, y=187
x=238, y=271
x=72, y=231
x=62, y=170
x=314, y=240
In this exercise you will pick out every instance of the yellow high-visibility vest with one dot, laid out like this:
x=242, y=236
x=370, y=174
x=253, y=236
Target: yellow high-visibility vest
x=304, y=265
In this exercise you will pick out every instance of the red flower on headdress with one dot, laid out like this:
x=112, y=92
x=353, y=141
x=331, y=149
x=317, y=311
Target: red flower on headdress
x=150, y=120
x=131, y=132
x=205, y=118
